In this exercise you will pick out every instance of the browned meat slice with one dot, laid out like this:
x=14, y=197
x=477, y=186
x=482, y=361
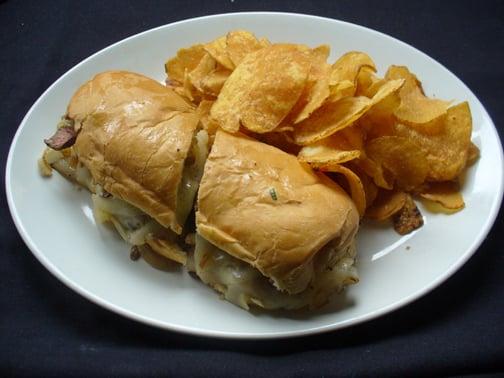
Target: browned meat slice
x=408, y=218
x=64, y=137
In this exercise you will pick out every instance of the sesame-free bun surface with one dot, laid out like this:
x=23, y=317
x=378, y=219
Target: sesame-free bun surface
x=134, y=135
x=263, y=206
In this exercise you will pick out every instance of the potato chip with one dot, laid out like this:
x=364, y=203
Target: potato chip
x=365, y=80
x=408, y=218
x=446, y=193
x=333, y=150
x=330, y=118
x=214, y=81
x=343, y=146
x=342, y=89
x=473, y=154
x=354, y=137
x=203, y=109
x=239, y=43
x=402, y=157
x=347, y=67
x=387, y=204
x=188, y=87
x=446, y=152
x=356, y=188
x=370, y=188
x=415, y=108
x=218, y=50
x=262, y=90
x=283, y=129
x=316, y=90
x=379, y=120
x=205, y=66
x=384, y=90
x=381, y=176
x=186, y=59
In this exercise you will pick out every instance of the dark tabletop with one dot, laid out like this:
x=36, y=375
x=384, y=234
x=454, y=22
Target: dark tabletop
x=47, y=329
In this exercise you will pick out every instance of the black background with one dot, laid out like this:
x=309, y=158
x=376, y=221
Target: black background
x=46, y=329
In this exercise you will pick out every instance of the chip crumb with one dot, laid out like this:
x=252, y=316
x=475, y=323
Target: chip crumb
x=135, y=253
x=408, y=218
x=408, y=248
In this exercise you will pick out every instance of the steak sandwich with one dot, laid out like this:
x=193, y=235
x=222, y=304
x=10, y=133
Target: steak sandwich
x=268, y=230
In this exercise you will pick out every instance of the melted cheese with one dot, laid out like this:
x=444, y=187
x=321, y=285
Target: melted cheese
x=243, y=285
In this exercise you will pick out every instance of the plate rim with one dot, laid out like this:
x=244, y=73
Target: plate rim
x=201, y=332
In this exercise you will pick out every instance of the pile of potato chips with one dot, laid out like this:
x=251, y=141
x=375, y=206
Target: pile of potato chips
x=382, y=139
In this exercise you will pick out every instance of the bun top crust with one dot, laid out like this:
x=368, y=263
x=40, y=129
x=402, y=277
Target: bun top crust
x=134, y=136
x=262, y=206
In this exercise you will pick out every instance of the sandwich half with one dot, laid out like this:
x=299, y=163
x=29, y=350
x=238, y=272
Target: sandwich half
x=134, y=144
x=271, y=232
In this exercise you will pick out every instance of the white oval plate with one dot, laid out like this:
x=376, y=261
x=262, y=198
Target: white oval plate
x=56, y=222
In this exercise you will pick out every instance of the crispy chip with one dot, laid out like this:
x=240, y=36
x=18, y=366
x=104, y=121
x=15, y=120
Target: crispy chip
x=202, y=70
x=239, y=43
x=332, y=150
x=214, y=81
x=262, y=90
x=387, y=204
x=473, y=154
x=342, y=89
x=316, y=90
x=335, y=116
x=402, y=157
x=218, y=50
x=203, y=109
x=347, y=67
x=343, y=146
x=354, y=136
x=408, y=218
x=365, y=80
x=379, y=120
x=354, y=182
x=446, y=152
x=330, y=118
x=188, y=87
x=186, y=59
x=446, y=193
x=384, y=90
x=203, y=112
x=415, y=108
x=382, y=177
x=370, y=188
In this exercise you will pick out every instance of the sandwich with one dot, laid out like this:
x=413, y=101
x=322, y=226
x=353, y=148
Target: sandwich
x=135, y=144
x=268, y=231
x=271, y=232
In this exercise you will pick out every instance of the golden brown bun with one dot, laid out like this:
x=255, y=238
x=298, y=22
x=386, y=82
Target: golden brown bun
x=238, y=212
x=134, y=137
